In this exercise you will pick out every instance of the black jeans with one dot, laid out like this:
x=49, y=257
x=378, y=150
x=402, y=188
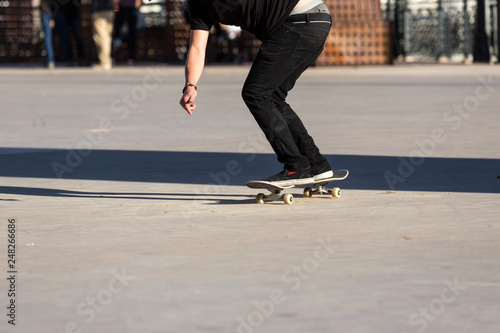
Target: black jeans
x=284, y=55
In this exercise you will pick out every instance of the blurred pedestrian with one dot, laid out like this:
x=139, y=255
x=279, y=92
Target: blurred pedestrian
x=126, y=13
x=68, y=23
x=102, y=31
x=47, y=12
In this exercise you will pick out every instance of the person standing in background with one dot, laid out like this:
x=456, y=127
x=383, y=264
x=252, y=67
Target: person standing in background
x=102, y=31
x=47, y=12
x=68, y=21
x=126, y=12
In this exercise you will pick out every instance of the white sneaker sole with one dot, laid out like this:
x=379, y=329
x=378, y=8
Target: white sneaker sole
x=324, y=175
x=294, y=182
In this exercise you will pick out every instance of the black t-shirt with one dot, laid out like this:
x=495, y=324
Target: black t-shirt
x=258, y=17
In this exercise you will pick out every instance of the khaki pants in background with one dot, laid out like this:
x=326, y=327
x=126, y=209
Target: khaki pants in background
x=102, y=30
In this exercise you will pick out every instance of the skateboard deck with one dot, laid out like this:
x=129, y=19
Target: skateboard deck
x=308, y=192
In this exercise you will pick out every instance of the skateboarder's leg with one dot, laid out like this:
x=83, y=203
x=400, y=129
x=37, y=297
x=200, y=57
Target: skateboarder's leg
x=284, y=55
x=270, y=68
x=305, y=143
x=309, y=47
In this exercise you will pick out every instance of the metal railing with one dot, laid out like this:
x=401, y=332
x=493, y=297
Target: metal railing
x=428, y=30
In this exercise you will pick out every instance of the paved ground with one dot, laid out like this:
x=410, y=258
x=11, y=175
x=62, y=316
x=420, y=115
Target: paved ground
x=131, y=216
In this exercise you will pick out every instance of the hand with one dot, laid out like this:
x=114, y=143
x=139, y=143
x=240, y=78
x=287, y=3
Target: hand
x=187, y=100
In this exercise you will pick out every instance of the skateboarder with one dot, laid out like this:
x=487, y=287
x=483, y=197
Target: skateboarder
x=293, y=33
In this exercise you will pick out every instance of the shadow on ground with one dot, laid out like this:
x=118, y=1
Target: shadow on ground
x=366, y=172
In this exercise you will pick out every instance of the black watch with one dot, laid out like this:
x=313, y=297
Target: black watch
x=189, y=85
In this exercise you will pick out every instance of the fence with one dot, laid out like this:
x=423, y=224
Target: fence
x=442, y=30
x=17, y=28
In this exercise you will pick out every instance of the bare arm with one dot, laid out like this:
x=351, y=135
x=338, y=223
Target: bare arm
x=194, y=67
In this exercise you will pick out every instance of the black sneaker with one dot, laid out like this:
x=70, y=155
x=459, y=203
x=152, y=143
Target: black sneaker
x=322, y=172
x=289, y=178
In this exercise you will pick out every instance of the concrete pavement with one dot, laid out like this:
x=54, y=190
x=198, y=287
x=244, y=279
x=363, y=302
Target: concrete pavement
x=131, y=216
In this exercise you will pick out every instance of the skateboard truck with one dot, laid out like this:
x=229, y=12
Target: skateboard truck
x=274, y=196
x=322, y=189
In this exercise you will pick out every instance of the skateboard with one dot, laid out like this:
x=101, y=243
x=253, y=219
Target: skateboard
x=276, y=190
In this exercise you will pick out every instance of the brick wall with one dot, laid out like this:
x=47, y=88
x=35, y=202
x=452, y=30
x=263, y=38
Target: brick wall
x=358, y=36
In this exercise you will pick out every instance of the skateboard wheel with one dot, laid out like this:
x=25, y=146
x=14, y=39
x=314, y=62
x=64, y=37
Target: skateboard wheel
x=288, y=199
x=260, y=198
x=308, y=192
x=336, y=192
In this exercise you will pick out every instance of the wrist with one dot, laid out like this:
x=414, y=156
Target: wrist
x=189, y=85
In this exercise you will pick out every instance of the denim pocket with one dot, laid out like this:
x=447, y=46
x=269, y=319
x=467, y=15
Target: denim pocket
x=281, y=42
x=288, y=48
x=312, y=38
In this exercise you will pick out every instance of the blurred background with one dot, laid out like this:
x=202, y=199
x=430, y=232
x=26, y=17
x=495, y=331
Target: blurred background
x=364, y=32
